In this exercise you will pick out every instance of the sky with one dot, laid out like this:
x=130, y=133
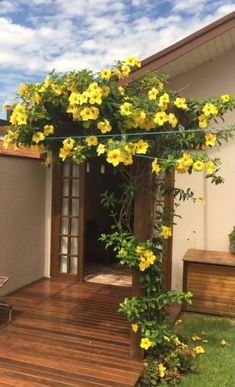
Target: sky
x=37, y=36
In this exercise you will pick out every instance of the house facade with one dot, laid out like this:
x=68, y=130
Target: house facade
x=202, y=65
x=22, y=221
x=40, y=237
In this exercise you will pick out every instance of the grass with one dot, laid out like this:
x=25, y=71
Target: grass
x=217, y=364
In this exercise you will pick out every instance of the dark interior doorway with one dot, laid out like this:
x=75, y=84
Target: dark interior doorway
x=100, y=177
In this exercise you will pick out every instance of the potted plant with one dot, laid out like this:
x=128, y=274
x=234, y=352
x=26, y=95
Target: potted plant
x=232, y=241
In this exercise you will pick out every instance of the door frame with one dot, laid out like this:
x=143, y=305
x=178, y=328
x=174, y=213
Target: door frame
x=55, y=223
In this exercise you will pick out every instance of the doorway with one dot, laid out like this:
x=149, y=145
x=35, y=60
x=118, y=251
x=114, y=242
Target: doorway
x=79, y=219
x=100, y=264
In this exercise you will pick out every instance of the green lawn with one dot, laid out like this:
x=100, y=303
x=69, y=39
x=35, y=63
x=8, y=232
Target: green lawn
x=217, y=364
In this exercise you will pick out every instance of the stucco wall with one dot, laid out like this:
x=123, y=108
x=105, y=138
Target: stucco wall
x=207, y=227
x=22, y=221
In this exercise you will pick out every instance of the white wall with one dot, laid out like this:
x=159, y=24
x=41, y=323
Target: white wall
x=207, y=227
x=22, y=221
x=48, y=221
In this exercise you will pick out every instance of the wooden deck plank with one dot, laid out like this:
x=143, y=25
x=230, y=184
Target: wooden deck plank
x=67, y=334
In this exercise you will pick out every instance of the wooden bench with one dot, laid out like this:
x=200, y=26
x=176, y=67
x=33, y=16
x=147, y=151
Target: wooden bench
x=210, y=276
x=3, y=304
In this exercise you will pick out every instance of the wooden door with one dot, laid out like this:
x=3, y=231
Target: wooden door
x=67, y=253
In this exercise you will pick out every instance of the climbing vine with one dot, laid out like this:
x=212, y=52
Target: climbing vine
x=81, y=114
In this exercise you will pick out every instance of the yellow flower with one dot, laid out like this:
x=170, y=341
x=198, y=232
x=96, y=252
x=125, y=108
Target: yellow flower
x=56, y=89
x=87, y=113
x=105, y=74
x=223, y=342
x=225, y=98
x=91, y=140
x=117, y=72
x=121, y=90
x=105, y=91
x=198, y=166
x=181, y=103
x=36, y=98
x=104, y=126
x=134, y=327
x=166, y=232
x=210, y=110
x=178, y=322
x=210, y=139
x=203, y=123
x=38, y=137
x=68, y=144
x=127, y=159
x=114, y=157
x=48, y=129
x=145, y=343
x=95, y=97
x=187, y=159
x=141, y=147
x=149, y=256
x=152, y=94
x=177, y=341
x=100, y=149
x=9, y=137
x=148, y=124
x=64, y=153
x=144, y=264
x=125, y=70
x=160, y=118
x=172, y=120
x=181, y=167
x=164, y=100
x=38, y=148
x=196, y=338
x=19, y=116
x=74, y=98
x=22, y=89
x=47, y=81
x=6, y=106
x=199, y=349
x=156, y=167
x=210, y=167
x=161, y=370
x=94, y=113
x=133, y=61
x=126, y=109
x=93, y=86
x=139, y=249
x=139, y=117
x=83, y=98
x=48, y=161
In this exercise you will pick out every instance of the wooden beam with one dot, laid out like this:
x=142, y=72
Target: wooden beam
x=142, y=231
x=167, y=256
x=82, y=221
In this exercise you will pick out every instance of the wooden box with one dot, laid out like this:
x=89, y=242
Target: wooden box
x=210, y=276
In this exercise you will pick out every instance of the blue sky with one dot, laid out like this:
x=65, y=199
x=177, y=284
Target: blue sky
x=40, y=35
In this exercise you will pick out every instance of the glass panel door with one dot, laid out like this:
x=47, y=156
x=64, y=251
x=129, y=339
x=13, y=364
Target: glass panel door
x=67, y=232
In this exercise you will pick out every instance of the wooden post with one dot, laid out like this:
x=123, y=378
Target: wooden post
x=167, y=257
x=142, y=231
x=82, y=221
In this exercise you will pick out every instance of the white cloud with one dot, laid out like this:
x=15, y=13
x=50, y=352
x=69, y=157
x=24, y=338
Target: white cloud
x=6, y=7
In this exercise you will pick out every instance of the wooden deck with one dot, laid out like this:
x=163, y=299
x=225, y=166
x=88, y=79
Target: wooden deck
x=67, y=334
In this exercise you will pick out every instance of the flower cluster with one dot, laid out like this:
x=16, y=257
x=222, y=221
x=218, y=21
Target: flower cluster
x=104, y=115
